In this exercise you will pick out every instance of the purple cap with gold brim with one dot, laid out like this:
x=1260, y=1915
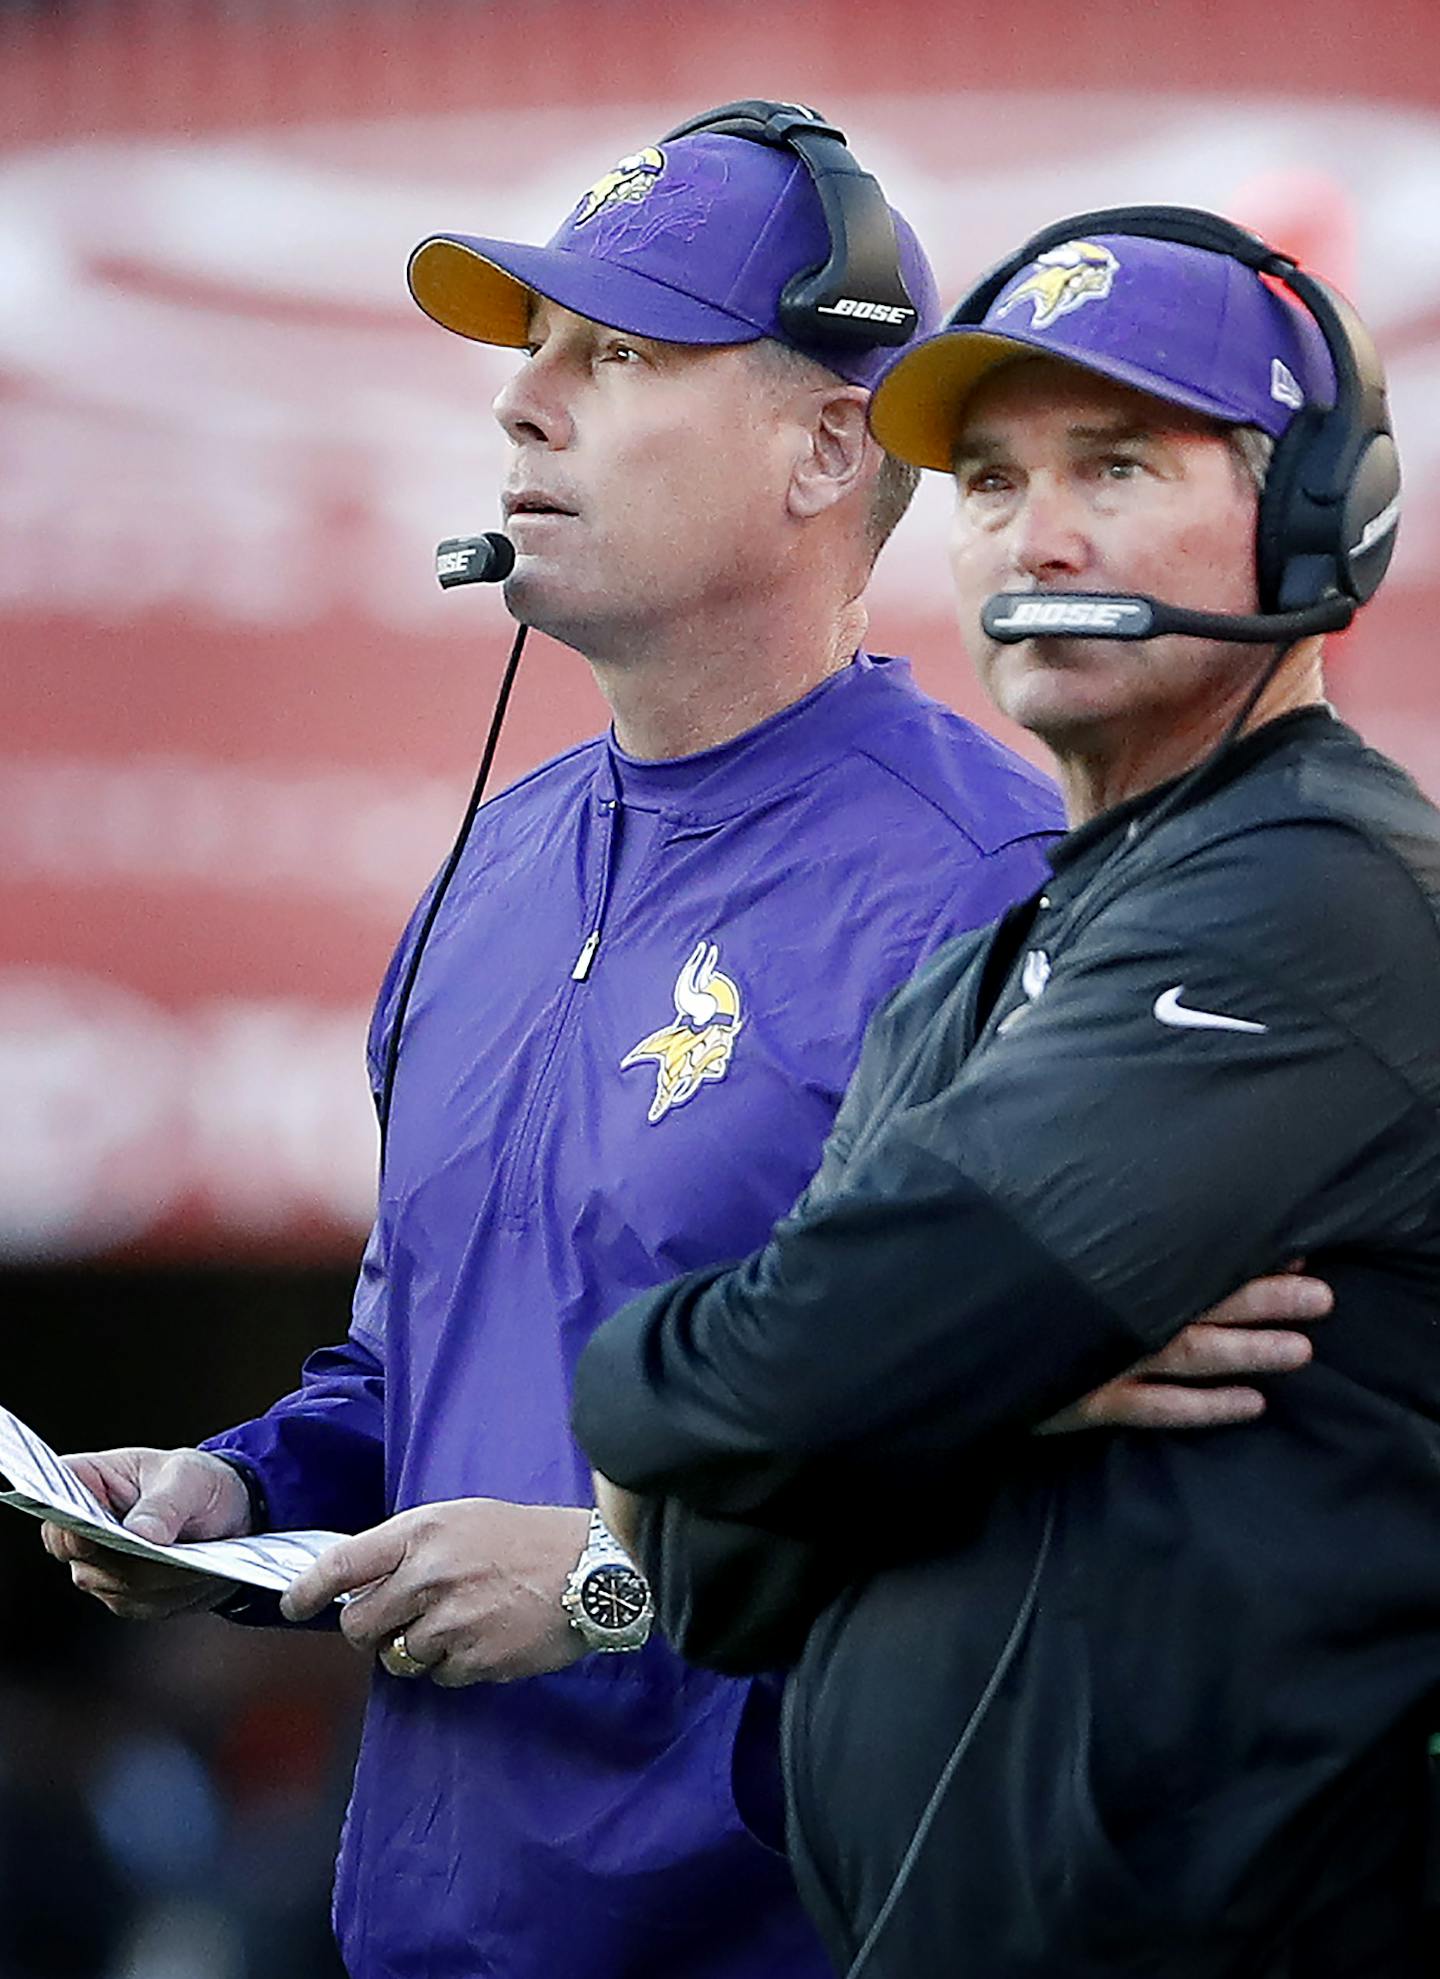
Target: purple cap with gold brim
x=690, y=242
x=1183, y=324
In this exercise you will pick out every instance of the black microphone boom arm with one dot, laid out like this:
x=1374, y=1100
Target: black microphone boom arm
x=1011, y=616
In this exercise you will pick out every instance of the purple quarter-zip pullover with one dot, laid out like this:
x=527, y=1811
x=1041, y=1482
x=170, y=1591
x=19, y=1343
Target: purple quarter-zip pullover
x=637, y=1011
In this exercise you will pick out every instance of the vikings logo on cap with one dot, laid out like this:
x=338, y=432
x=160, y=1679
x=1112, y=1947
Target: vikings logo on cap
x=1069, y=275
x=697, y=1047
x=625, y=184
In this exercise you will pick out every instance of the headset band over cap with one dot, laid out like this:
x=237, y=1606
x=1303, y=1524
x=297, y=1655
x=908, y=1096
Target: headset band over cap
x=691, y=241
x=1182, y=323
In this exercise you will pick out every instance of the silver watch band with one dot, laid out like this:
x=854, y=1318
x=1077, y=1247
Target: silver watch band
x=601, y=1550
x=600, y=1539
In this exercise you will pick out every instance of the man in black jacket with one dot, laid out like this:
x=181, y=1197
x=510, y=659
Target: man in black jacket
x=1066, y=1707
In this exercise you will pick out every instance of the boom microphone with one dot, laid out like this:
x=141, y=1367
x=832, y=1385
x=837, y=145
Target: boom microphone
x=487, y=559
x=1011, y=616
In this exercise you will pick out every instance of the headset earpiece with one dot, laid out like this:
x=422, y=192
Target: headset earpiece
x=855, y=298
x=1371, y=514
x=1331, y=500
x=1291, y=568
x=1330, y=519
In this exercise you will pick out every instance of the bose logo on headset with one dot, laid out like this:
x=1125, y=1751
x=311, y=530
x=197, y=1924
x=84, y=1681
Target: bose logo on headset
x=1077, y=614
x=869, y=312
x=1378, y=526
x=856, y=298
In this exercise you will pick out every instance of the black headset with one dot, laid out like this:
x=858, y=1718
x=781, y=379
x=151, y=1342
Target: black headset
x=857, y=297
x=1331, y=500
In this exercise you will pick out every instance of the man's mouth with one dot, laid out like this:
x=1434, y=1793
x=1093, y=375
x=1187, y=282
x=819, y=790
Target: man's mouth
x=529, y=503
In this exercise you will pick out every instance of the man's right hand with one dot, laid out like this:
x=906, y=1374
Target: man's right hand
x=161, y=1495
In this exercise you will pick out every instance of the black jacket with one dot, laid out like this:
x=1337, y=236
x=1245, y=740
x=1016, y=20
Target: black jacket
x=1175, y=1679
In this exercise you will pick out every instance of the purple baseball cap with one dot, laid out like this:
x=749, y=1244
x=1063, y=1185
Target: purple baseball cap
x=1195, y=328
x=690, y=242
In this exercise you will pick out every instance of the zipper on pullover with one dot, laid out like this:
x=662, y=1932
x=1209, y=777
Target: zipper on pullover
x=585, y=960
x=513, y=1200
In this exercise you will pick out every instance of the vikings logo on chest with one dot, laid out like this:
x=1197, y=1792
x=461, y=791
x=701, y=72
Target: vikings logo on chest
x=1074, y=273
x=698, y=1046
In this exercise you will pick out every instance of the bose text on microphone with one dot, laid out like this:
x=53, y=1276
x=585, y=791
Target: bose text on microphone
x=1011, y=616
x=487, y=559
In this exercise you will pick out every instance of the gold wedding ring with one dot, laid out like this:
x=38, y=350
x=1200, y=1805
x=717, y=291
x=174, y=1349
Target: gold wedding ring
x=395, y=1658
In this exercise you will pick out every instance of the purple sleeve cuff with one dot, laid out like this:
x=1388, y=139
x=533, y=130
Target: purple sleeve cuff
x=317, y=1458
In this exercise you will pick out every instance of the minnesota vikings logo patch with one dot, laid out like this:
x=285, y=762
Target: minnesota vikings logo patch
x=697, y=1047
x=1074, y=273
x=625, y=184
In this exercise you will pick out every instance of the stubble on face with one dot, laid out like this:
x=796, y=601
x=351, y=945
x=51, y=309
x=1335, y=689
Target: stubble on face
x=1068, y=482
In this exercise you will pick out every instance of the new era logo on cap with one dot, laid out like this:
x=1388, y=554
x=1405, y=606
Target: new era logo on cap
x=1284, y=387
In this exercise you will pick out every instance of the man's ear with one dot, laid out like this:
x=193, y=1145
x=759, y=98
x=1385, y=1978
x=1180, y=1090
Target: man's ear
x=839, y=454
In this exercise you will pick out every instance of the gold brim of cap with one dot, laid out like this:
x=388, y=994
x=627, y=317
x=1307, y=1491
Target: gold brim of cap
x=918, y=406
x=468, y=294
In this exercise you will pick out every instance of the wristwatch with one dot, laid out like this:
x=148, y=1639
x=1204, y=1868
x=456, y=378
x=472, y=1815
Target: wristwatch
x=607, y=1597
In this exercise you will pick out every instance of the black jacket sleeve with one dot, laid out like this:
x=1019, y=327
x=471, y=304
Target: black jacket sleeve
x=1233, y=1064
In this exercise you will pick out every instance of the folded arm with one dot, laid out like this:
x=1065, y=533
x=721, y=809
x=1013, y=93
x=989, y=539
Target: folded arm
x=993, y=1248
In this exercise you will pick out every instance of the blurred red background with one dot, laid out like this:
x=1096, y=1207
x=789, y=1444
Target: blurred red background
x=239, y=716
x=239, y=719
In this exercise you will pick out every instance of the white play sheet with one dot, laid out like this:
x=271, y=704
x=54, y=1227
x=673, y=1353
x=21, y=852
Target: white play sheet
x=38, y=1482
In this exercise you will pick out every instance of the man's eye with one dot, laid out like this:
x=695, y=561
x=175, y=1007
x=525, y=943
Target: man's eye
x=1121, y=467
x=621, y=354
x=987, y=481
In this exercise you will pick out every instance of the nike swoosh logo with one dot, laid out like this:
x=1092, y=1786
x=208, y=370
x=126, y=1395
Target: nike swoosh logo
x=1170, y=1010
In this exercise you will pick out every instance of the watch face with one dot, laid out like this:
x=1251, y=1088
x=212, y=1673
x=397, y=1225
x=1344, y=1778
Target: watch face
x=613, y=1597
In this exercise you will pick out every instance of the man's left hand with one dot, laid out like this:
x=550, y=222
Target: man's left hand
x=474, y=1583
x=1253, y=1332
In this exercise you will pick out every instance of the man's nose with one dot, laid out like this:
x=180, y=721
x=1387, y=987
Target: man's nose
x=1048, y=537
x=532, y=407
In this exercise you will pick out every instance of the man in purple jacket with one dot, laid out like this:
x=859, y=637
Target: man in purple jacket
x=640, y=1003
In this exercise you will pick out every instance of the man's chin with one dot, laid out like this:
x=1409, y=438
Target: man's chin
x=1039, y=673
x=536, y=600
x=536, y=596
x=1052, y=685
